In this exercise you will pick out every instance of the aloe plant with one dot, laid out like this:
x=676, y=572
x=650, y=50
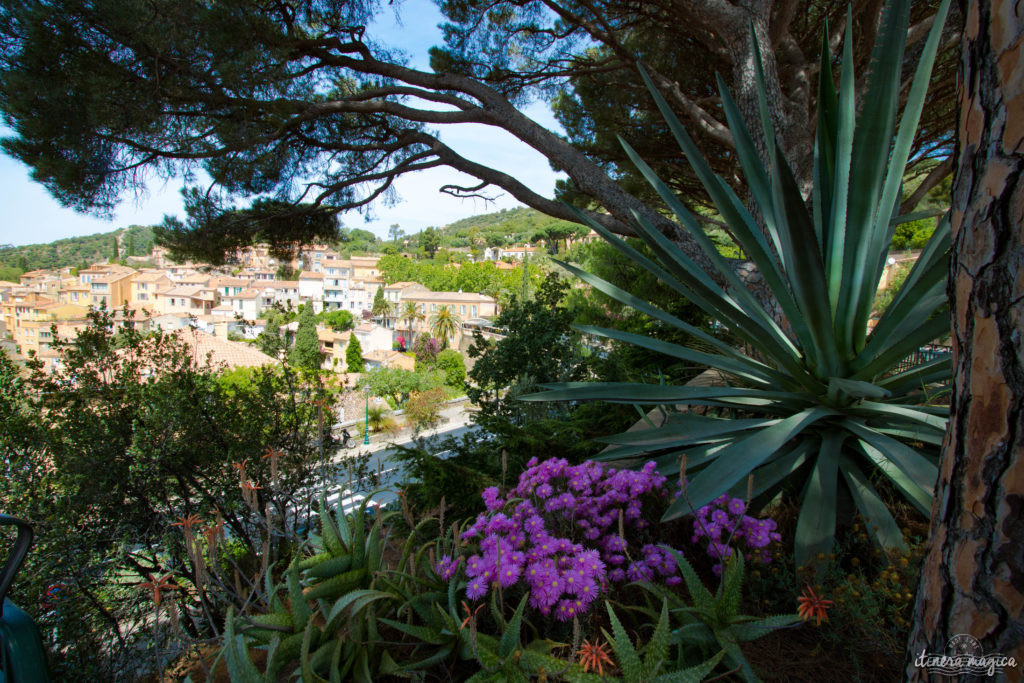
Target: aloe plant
x=713, y=622
x=819, y=406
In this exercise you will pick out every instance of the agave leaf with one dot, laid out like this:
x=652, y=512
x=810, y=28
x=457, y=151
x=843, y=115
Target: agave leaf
x=835, y=237
x=757, y=373
x=756, y=329
x=856, y=388
x=912, y=463
x=919, y=496
x=778, y=467
x=899, y=347
x=870, y=155
x=685, y=428
x=930, y=372
x=879, y=522
x=903, y=413
x=816, y=525
x=805, y=269
x=642, y=306
x=897, y=160
x=733, y=463
x=628, y=392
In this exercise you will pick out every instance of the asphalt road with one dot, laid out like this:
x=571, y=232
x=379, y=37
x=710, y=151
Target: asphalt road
x=455, y=423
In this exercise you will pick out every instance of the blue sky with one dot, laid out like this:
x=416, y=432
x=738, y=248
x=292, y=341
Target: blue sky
x=29, y=215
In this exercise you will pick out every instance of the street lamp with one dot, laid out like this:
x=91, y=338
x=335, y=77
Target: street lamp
x=366, y=427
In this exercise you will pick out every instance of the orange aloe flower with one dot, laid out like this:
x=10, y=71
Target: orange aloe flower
x=164, y=583
x=812, y=607
x=188, y=522
x=469, y=614
x=250, y=485
x=272, y=452
x=594, y=656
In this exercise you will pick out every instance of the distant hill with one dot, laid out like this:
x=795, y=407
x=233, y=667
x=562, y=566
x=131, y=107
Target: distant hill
x=136, y=240
x=508, y=226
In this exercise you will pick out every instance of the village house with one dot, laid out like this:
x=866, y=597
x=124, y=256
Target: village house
x=145, y=286
x=112, y=290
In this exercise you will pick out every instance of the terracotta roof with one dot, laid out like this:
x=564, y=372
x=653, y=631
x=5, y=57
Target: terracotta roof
x=223, y=352
x=112, y=277
x=454, y=297
x=310, y=275
x=250, y=293
x=403, y=285
x=365, y=327
x=183, y=290
x=228, y=281
x=152, y=276
x=501, y=265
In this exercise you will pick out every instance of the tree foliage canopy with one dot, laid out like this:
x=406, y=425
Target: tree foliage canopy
x=297, y=103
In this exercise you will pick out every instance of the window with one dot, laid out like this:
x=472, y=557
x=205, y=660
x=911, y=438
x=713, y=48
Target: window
x=462, y=309
x=472, y=311
x=433, y=308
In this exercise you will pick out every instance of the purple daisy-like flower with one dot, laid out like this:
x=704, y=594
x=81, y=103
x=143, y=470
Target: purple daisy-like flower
x=476, y=588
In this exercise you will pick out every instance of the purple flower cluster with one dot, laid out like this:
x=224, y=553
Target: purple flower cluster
x=447, y=567
x=723, y=522
x=562, y=533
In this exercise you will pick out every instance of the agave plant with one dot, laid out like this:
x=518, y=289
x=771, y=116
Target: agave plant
x=819, y=406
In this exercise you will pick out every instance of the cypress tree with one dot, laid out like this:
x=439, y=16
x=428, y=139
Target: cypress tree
x=354, y=355
x=270, y=340
x=306, y=352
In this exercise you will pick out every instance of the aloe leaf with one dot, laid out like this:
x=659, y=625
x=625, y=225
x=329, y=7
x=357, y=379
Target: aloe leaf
x=879, y=522
x=657, y=647
x=626, y=655
x=510, y=638
x=727, y=604
x=816, y=525
x=240, y=667
x=693, y=674
x=752, y=630
x=701, y=596
x=300, y=608
x=737, y=461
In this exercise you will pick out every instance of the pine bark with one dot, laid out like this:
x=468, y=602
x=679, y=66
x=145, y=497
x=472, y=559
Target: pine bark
x=972, y=580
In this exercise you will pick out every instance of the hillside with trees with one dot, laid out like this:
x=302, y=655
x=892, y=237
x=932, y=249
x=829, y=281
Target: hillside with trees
x=135, y=240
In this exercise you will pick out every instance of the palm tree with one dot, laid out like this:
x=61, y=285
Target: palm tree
x=445, y=324
x=410, y=314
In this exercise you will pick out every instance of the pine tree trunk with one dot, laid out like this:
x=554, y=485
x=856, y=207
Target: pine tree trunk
x=972, y=580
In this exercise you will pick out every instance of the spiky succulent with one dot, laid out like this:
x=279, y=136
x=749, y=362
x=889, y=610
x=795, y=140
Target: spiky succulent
x=818, y=407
